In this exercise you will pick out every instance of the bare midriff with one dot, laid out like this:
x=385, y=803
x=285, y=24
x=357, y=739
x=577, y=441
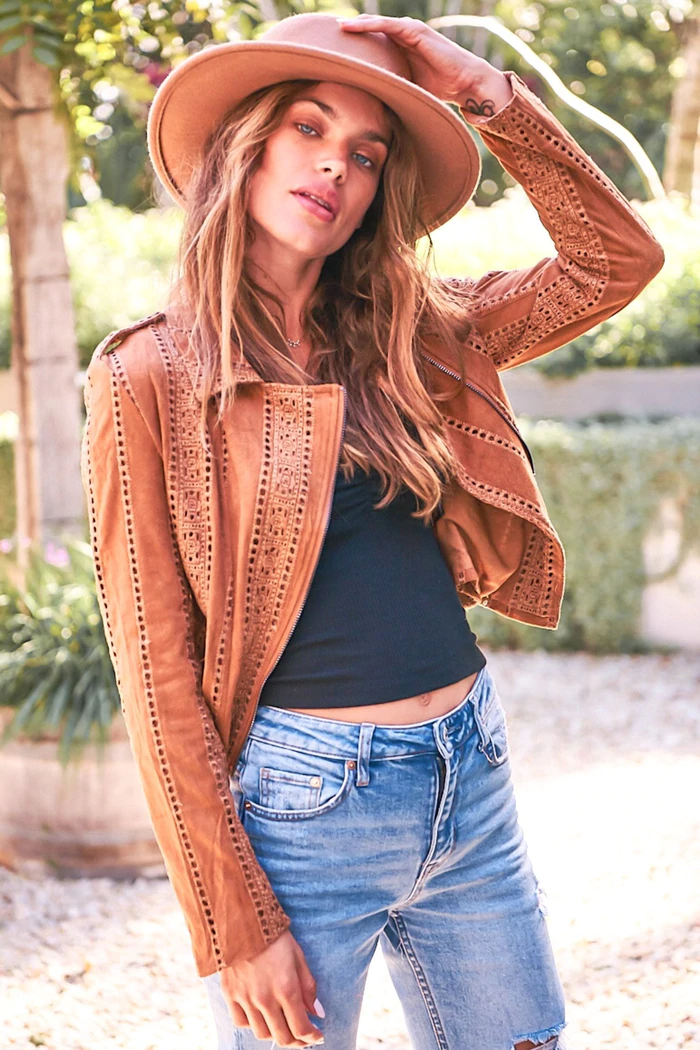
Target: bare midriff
x=399, y=712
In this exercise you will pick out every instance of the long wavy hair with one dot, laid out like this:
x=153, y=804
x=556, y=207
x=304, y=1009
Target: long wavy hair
x=374, y=308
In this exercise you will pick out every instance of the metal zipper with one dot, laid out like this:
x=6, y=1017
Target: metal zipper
x=325, y=531
x=489, y=400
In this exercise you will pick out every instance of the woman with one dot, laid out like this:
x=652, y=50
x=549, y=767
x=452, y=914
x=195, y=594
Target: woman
x=299, y=474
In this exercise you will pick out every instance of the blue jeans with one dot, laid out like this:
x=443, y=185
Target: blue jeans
x=406, y=835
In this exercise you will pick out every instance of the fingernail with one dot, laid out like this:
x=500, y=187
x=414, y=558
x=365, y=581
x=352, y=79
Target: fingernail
x=318, y=1008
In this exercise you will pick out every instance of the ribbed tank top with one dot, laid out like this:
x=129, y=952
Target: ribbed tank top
x=382, y=620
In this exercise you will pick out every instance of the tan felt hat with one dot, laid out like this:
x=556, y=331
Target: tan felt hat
x=203, y=89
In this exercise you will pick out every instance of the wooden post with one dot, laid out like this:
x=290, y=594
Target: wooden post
x=683, y=149
x=33, y=176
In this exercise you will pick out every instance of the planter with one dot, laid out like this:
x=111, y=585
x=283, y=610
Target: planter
x=88, y=820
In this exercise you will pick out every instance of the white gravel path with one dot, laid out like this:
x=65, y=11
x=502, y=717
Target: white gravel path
x=606, y=759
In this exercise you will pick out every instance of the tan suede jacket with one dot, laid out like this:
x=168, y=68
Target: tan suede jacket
x=203, y=557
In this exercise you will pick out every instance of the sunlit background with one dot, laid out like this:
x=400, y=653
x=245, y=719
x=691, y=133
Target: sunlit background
x=604, y=713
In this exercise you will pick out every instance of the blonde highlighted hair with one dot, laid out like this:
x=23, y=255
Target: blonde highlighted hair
x=374, y=308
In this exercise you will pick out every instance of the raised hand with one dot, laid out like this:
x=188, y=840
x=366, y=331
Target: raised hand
x=438, y=65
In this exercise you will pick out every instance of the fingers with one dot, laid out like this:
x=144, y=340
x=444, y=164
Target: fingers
x=289, y=1027
x=238, y=1014
x=307, y=981
x=270, y=1023
x=267, y=994
x=407, y=29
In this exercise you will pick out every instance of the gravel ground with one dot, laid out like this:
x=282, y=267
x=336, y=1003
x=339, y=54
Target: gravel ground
x=606, y=760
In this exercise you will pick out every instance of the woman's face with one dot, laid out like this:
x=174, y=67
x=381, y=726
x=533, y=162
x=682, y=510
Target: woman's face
x=332, y=144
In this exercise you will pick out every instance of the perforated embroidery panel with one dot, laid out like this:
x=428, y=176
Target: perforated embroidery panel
x=148, y=612
x=606, y=253
x=280, y=507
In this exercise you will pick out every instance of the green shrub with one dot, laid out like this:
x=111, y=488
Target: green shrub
x=8, y=433
x=55, y=668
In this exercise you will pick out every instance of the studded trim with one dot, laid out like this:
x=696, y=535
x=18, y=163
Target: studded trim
x=145, y=661
x=280, y=507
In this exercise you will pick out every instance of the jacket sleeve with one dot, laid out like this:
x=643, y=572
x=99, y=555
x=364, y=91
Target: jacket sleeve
x=148, y=613
x=606, y=253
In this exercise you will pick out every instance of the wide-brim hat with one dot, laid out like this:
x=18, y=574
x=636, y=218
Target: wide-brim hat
x=204, y=88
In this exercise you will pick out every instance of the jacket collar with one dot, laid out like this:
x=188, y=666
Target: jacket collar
x=179, y=321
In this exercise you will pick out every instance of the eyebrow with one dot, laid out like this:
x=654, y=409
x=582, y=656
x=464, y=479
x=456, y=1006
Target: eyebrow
x=369, y=135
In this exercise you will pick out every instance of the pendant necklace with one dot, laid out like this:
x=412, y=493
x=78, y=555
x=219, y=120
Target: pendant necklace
x=294, y=342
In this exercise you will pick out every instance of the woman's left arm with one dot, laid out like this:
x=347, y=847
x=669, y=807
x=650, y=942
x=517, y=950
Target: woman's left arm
x=606, y=253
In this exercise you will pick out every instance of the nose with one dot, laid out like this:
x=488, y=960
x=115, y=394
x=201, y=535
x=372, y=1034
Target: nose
x=335, y=167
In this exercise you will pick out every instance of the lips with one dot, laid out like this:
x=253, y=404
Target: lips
x=319, y=199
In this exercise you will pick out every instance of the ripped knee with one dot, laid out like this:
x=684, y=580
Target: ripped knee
x=550, y=1043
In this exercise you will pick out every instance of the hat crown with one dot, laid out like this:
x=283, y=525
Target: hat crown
x=323, y=31
x=203, y=90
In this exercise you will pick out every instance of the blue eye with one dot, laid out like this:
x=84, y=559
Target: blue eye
x=367, y=166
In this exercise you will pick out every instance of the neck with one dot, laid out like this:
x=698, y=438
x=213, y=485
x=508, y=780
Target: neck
x=289, y=276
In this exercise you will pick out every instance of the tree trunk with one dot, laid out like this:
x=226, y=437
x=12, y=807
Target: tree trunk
x=33, y=176
x=682, y=148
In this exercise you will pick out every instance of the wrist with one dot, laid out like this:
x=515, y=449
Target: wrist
x=486, y=96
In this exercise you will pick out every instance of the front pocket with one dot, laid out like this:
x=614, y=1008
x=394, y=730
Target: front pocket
x=280, y=789
x=284, y=783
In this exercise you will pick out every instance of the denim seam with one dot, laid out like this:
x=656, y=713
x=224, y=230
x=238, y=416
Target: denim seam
x=438, y=1030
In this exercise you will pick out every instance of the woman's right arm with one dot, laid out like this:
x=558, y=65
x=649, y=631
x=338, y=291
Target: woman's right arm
x=148, y=612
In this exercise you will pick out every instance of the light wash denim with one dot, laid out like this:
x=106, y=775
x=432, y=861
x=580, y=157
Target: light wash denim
x=406, y=835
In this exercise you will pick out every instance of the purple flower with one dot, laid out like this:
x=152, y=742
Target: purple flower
x=6, y=546
x=56, y=555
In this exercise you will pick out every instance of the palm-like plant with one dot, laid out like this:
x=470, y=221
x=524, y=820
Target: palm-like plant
x=55, y=669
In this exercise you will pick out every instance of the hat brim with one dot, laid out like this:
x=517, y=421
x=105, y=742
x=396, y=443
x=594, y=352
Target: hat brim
x=199, y=93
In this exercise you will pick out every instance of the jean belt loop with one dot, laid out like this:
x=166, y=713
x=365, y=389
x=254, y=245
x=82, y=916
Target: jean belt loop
x=364, y=750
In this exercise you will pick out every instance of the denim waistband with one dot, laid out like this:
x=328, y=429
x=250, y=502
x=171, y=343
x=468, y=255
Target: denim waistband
x=349, y=739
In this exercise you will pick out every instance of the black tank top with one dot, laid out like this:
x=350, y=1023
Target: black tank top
x=382, y=619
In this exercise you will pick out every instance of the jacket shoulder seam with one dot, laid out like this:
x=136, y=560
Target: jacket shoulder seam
x=114, y=338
